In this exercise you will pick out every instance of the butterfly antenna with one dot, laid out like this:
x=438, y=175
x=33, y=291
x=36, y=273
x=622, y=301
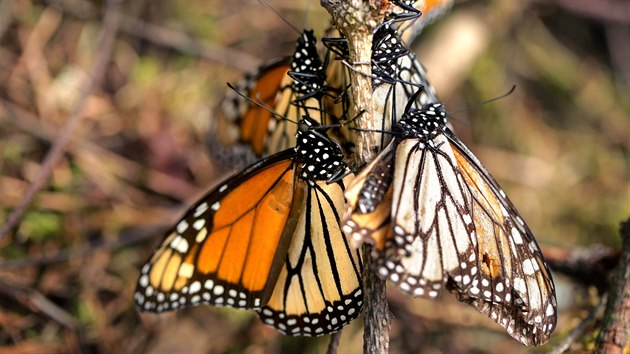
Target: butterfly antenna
x=412, y=99
x=261, y=105
x=339, y=125
x=283, y=18
x=486, y=102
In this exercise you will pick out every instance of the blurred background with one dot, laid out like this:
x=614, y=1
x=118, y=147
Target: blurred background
x=559, y=146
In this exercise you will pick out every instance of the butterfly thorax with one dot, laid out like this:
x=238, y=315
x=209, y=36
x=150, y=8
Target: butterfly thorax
x=307, y=67
x=424, y=123
x=386, y=49
x=321, y=157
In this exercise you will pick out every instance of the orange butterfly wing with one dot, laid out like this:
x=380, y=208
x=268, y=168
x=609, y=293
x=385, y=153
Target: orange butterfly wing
x=229, y=248
x=255, y=122
x=240, y=130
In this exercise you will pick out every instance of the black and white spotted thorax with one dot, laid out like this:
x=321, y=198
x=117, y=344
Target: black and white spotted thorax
x=387, y=47
x=424, y=123
x=322, y=158
x=306, y=66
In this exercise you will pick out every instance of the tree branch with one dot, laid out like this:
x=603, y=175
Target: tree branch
x=579, y=330
x=617, y=11
x=615, y=334
x=587, y=266
x=357, y=19
x=334, y=343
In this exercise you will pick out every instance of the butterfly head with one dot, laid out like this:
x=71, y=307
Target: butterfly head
x=321, y=157
x=424, y=123
x=306, y=66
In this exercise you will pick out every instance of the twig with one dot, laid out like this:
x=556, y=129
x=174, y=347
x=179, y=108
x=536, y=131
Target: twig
x=110, y=25
x=357, y=19
x=588, y=266
x=334, y=343
x=174, y=39
x=157, y=181
x=378, y=318
x=186, y=44
x=125, y=238
x=615, y=334
x=580, y=329
x=39, y=302
x=606, y=10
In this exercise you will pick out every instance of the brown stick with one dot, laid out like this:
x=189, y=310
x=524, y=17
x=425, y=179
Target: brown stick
x=334, y=343
x=606, y=10
x=578, y=332
x=110, y=26
x=615, y=334
x=357, y=19
x=170, y=38
x=37, y=301
x=184, y=43
x=587, y=266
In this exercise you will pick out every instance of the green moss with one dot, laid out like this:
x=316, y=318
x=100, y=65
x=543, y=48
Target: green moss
x=40, y=225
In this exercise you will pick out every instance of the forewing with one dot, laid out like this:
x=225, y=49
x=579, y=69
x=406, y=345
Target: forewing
x=430, y=233
x=228, y=249
x=527, y=289
x=454, y=228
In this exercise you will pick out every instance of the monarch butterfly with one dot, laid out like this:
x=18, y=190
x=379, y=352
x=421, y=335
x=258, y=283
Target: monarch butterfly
x=396, y=76
x=439, y=220
x=246, y=132
x=268, y=239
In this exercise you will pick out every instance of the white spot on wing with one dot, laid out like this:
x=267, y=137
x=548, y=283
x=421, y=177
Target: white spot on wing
x=218, y=290
x=516, y=236
x=201, y=208
x=197, y=225
x=194, y=287
x=550, y=311
x=179, y=244
x=144, y=281
x=182, y=226
x=528, y=267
